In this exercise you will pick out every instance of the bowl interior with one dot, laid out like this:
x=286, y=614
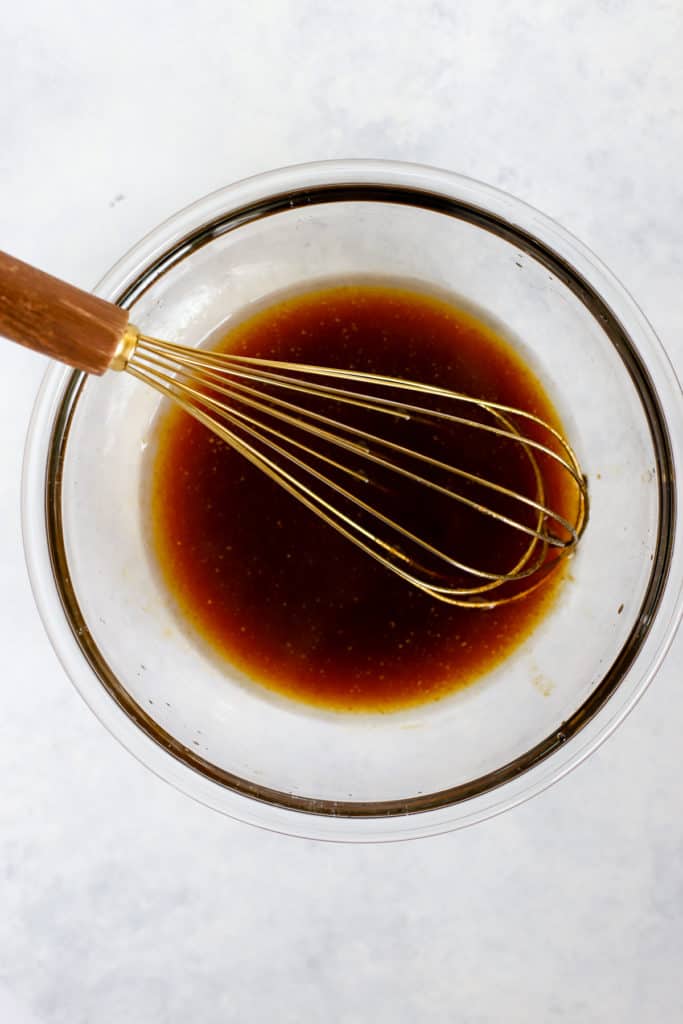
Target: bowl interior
x=283, y=752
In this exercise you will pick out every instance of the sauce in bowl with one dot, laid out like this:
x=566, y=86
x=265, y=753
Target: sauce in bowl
x=282, y=596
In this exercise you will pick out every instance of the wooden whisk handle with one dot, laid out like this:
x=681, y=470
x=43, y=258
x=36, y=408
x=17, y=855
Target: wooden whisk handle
x=58, y=320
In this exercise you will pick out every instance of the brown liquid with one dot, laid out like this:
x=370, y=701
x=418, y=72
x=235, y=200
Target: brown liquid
x=276, y=591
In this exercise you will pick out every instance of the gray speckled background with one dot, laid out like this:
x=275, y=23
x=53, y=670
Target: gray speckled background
x=121, y=899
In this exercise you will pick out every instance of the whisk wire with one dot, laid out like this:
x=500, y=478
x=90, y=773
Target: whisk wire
x=232, y=396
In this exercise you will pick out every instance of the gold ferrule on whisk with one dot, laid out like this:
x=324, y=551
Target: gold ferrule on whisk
x=125, y=349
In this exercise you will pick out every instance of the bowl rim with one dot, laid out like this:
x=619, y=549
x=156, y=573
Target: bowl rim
x=654, y=629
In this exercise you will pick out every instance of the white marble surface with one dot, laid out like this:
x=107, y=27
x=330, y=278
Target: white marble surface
x=121, y=899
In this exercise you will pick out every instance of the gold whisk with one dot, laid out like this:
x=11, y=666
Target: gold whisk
x=300, y=425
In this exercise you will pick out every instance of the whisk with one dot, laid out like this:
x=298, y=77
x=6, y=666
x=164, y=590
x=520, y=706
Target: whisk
x=300, y=425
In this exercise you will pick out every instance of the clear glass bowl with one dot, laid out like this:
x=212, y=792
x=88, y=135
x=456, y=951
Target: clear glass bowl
x=280, y=764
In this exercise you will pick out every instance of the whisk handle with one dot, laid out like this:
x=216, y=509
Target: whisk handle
x=58, y=320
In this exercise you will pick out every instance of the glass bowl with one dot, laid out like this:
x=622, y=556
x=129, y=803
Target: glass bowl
x=278, y=763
